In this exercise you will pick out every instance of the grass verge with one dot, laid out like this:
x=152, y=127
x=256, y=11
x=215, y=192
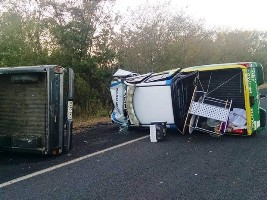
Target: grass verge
x=84, y=123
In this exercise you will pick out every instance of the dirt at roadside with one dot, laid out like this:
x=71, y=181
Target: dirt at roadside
x=263, y=86
x=80, y=124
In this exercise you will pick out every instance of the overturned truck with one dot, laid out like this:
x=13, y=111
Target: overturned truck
x=218, y=99
x=36, y=109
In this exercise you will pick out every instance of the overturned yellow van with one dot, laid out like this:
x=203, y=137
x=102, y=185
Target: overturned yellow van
x=226, y=99
x=218, y=99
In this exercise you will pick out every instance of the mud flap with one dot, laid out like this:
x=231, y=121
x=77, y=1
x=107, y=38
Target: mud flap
x=262, y=118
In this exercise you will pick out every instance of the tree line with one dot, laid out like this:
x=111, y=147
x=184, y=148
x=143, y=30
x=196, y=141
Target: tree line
x=94, y=40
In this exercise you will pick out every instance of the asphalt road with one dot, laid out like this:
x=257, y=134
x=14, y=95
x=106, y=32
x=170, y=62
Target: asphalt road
x=85, y=141
x=193, y=166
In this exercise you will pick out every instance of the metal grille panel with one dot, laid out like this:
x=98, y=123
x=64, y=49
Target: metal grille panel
x=209, y=111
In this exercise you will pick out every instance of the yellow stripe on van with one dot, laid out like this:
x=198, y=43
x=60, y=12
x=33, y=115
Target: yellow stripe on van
x=212, y=67
x=247, y=103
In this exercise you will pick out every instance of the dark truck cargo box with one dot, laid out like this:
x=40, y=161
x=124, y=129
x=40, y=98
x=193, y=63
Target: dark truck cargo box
x=36, y=109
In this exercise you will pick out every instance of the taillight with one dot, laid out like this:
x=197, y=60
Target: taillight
x=57, y=69
x=247, y=65
x=238, y=131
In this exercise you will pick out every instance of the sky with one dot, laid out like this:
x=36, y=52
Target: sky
x=233, y=14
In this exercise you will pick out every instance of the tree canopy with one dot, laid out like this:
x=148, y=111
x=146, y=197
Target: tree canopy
x=93, y=39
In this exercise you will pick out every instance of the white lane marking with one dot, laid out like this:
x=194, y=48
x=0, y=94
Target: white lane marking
x=68, y=163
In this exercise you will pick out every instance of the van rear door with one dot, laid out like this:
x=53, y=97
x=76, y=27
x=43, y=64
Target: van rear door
x=182, y=89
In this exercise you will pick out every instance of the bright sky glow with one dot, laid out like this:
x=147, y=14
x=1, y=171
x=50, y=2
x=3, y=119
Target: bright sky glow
x=234, y=14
